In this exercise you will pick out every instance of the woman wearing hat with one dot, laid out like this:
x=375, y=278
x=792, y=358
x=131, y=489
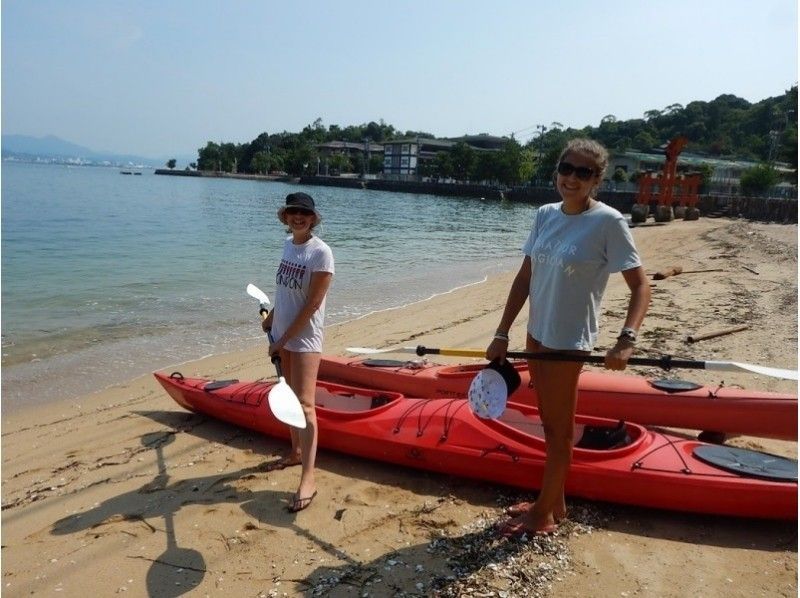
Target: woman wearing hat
x=573, y=247
x=296, y=324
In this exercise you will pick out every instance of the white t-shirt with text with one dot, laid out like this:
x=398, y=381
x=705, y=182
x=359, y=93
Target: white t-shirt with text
x=291, y=292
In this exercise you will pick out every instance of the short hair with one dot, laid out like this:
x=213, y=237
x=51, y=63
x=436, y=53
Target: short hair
x=590, y=148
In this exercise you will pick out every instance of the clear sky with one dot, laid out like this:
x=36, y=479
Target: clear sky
x=163, y=77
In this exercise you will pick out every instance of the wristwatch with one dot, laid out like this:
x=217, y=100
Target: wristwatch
x=628, y=334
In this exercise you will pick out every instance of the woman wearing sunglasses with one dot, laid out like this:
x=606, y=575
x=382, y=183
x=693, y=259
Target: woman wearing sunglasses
x=302, y=283
x=573, y=247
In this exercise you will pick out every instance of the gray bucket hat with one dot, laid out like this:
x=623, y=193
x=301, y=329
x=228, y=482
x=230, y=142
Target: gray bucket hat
x=302, y=201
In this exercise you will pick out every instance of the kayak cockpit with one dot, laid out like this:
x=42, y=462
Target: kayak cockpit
x=349, y=400
x=592, y=434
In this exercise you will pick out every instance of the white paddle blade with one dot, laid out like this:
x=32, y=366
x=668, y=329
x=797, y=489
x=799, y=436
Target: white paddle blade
x=488, y=394
x=732, y=366
x=285, y=405
x=257, y=294
x=368, y=351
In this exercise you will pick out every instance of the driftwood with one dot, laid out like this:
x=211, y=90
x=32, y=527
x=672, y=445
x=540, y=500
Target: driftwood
x=671, y=271
x=675, y=270
x=750, y=270
x=701, y=337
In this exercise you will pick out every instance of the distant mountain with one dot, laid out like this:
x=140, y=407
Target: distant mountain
x=44, y=146
x=52, y=148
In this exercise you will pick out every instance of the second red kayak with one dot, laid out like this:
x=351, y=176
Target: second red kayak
x=634, y=398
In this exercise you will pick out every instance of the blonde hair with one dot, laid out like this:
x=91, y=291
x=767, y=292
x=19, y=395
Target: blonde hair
x=590, y=148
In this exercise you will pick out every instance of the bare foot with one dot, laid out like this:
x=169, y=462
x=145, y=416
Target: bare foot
x=518, y=526
x=521, y=508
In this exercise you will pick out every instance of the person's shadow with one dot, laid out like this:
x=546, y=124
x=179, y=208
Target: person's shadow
x=177, y=569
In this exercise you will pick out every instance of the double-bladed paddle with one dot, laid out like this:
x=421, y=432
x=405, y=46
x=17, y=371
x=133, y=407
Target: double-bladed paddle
x=282, y=400
x=666, y=362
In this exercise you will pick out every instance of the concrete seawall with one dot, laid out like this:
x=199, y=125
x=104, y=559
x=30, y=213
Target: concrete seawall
x=752, y=208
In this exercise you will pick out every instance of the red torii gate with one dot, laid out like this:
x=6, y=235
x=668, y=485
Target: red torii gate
x=665, y=181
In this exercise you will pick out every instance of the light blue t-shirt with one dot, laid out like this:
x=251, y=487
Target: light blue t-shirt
x=572, y=257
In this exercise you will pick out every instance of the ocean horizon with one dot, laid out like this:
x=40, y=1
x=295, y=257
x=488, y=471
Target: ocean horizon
x=108, y=277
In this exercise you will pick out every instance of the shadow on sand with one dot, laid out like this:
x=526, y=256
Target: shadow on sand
x=180, y=569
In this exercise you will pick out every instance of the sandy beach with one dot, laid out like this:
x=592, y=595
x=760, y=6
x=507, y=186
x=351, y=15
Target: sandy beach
x=124, y=492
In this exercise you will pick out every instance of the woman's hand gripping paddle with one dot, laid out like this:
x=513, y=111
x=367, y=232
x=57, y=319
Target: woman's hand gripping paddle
x=283, y=402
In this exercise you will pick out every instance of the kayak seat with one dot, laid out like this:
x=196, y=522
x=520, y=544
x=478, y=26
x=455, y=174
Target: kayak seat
x=351, y=402
x=380, y=401
x=604, y=437
x=343, y=401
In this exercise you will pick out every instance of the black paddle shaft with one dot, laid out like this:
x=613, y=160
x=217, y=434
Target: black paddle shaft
x=665, y=362
x=276, y=359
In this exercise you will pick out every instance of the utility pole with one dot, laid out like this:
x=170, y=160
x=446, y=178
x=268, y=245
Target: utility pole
x=542, y=130
x=773, y=141
x=774, y=136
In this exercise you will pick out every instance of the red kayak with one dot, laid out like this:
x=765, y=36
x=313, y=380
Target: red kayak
x=634, y=398
x=612, y=461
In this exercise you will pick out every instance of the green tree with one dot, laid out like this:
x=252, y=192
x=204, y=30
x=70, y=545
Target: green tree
x=443, y=165
x=209, y=157
x=510, y=163
x=426, y=168
x=527, y=165
x=758, y=179
x=171, y=163
x=620, y=176
x=375, y=163
x=673, y=109
x=463, y=160
x=705, y=171
x=260, y=163
x=652, y=114
x=643, y=141
x=486, y=167
x=229, y=159
x=339, y=163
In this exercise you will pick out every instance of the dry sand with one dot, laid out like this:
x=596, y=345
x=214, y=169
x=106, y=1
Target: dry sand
x=122, y=491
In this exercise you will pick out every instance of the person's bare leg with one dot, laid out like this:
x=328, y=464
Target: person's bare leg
x=293, y=457
x=556, y=386
x=305, y=367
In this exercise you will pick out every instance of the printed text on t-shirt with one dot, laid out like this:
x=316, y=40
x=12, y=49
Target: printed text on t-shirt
x=553, y=253
x=290, y=275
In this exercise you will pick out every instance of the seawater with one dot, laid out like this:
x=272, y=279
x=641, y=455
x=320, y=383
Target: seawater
x=106, y=276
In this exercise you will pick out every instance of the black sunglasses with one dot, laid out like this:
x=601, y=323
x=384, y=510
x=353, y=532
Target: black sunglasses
x=301, y=211
x=582, y=172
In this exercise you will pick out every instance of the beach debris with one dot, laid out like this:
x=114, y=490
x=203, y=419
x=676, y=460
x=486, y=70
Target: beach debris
x=675, y=270
x=467, y=560
x=667, y=272
x=483, y=564
x=701, y=337
x=751, y=270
